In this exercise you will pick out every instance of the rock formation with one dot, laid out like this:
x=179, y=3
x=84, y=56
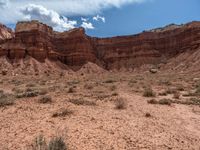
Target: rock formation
x=5, y=33
x=74, y=48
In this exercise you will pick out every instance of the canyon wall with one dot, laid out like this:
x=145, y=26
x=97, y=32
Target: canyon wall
x=75, y=48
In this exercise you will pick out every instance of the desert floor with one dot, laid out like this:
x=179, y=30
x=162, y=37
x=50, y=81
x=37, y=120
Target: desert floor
x=109, y=111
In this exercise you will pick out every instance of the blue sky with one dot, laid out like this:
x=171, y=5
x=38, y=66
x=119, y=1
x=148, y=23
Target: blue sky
x=102, y=18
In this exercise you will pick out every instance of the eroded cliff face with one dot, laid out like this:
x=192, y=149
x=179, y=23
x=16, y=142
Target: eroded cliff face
x=75, y=48
x=5, y=33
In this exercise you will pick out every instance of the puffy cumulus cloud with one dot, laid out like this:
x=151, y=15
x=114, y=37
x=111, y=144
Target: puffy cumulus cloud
x=50, y=11
x=50, y=17
x=87, y=25
x=3, y=3
x=99, y=18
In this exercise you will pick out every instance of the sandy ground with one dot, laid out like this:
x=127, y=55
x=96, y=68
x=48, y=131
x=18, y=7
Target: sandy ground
x=102, y=126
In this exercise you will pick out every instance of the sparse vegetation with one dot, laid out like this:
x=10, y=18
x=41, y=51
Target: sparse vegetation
x=165, y=101
x=62, y=112
x=80, y=101
x=71, y=90
x=120, y=103
x=45, y=99
x=115, y=94
x=147, y=115
x=6, y=99
x=56, y=143
x=152, y=101
x=177, y=95
x=109, y=81
x=39, y=143
x=148, y=92
x=161, y=101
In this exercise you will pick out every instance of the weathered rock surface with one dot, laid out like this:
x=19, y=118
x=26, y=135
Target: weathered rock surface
x=74, y=48
x=5, y=33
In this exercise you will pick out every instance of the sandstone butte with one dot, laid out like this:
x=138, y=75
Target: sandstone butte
x=75, y=48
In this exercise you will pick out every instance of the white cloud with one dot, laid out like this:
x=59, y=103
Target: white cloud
x=50, y=17
x=87, y=25
x=98, y=18
x=76, y=7
x=3, y=3
x=50, y=11
x=84, y=19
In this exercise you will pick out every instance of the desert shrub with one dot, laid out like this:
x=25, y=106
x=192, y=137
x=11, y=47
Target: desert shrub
x=165, y=101
x=195, y=101
x=62, y=112
x=147, y=115
x=177, y=95
x=180, y=87
x=80, y=101
x=120, y=103
x=115, y=94
x=148, y=92
x=57, y=143
x=198, y=89
x=39, y=143
x=152, y=101
x=45, y=99
x=71, y=90
x=4, y=72
x=6, y=99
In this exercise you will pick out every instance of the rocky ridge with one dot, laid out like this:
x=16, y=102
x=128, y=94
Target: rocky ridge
x=74, y=48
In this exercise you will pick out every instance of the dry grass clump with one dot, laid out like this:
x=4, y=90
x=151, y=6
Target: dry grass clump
x=71, y=90
x=62, y=112
x=161, y=101
x=29, y=92
x=56, y=143
x=152, y=101
x=148, y=92
x=45, y=99
x=80, y=101
x=6, y=99
x=177, y=95
x=165, y=101
x=120, y=103
x=110, y=81
x=115, y=94
x=147, y=115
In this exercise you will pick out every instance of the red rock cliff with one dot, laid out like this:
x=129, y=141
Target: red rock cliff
x=75, y=48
